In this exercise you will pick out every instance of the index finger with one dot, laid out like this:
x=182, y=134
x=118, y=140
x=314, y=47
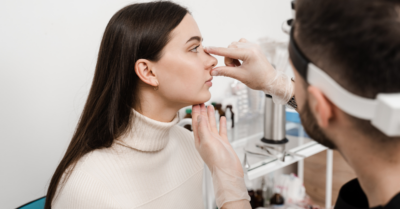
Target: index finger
x=234, y=53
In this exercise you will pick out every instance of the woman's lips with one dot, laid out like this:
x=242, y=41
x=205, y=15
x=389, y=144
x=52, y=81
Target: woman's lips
x=208, y=82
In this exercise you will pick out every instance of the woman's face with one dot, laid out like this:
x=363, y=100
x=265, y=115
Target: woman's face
x=183, y=72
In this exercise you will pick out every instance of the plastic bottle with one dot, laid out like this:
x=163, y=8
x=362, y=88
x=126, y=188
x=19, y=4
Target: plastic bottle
x=264, y=188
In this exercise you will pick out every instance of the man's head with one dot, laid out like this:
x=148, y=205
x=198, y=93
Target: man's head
x=357, y=43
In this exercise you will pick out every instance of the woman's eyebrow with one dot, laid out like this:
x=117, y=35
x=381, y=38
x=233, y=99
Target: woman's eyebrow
x=197, y=38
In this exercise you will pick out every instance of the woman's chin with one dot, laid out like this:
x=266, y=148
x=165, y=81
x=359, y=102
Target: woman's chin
x=202, y=98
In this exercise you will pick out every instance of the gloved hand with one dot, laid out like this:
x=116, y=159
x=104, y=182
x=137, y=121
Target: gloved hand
x=216, y=151
x=255, y=71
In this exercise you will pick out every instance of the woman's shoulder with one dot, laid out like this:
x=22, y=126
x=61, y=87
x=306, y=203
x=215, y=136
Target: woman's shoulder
x=82, y=190
x=99, y=161
x=99, y=165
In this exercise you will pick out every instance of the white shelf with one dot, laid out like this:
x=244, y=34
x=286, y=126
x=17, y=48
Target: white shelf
x=305, y=150
x=248, y=133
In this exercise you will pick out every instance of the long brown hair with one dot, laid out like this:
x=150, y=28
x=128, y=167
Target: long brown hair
x=137, y=31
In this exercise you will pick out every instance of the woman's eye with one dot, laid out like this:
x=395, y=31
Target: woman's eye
x=195, y=49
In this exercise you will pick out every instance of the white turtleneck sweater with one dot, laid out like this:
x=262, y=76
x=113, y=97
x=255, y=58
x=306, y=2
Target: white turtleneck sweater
x=155, y=165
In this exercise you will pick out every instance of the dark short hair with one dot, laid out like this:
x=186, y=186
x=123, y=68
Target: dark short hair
x=356, y=42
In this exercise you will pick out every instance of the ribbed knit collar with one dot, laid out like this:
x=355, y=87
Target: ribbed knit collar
x=148, y=135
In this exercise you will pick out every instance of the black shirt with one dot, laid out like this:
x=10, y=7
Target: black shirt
x=351, y=196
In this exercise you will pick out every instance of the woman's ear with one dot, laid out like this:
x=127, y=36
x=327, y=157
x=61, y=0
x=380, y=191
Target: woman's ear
x=144, y=70
x=320, y=106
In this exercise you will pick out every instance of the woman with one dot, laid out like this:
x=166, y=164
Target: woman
x=127, y=151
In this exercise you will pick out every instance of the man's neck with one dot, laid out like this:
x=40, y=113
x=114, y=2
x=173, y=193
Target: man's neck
x=377, y=166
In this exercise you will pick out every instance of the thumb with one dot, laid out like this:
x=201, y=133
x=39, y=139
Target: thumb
x=233, y=72
x=202, y=129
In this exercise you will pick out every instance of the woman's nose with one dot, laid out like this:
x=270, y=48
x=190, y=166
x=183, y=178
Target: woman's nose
x=211, y=61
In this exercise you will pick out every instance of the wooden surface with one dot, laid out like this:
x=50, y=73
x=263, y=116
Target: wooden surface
x=315, y=175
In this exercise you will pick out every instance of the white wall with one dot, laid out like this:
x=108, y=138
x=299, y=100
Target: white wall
x=48, y=52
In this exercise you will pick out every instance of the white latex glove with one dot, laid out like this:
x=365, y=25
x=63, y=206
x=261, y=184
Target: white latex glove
x=255, y=71
x=216, y=151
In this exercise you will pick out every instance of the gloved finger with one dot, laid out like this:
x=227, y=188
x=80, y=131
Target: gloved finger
x=233, y=53
x=233, y=45
x=203, y=129
x=233, y=72
x=222, y=129
x=212, y=119
x=203, y=112
x=243, y=40
x=195, y=114
x=229, y=61
x=247, y=45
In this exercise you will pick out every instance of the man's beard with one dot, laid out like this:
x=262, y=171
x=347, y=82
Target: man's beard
x=312, y=129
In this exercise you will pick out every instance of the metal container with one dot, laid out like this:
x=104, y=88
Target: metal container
x=274, y=122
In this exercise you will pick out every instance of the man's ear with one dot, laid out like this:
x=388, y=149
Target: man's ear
x=145, y=71
x=320, y=106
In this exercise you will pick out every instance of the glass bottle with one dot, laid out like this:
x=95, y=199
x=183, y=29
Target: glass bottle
x=218, y=107
x=230, y=108
x=188, y=115
x=277, y=201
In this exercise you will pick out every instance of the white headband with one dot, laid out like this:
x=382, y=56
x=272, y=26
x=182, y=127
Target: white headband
x=383, y=112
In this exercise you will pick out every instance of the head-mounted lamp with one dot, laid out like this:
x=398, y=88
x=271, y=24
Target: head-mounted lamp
x=383, y=111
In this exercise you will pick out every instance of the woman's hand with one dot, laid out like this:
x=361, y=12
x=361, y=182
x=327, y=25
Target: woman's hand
x=255, y=71
x=221, y=159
